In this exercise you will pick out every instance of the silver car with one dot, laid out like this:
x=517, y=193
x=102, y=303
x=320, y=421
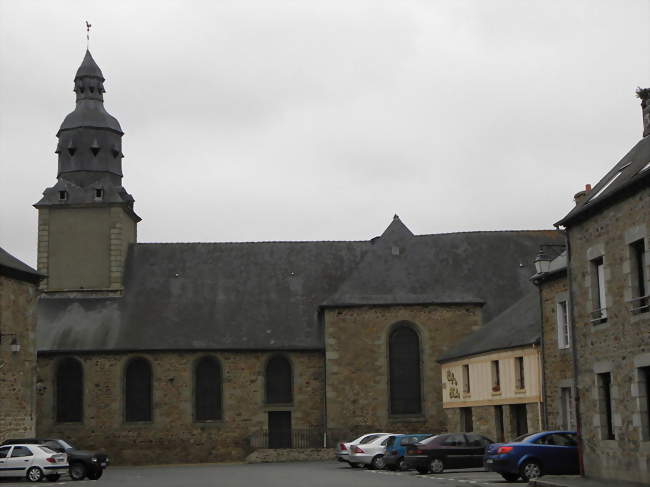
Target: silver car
x=370, y=451
x=343, y=448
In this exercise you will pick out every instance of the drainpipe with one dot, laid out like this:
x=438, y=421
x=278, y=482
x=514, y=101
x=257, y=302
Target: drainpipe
x=542, y=370
x=541, y=410
x=574, y=354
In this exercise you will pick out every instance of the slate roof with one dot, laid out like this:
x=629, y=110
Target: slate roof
x=632, y=170
x=17, y=269
x=267, y=295
x=517, y=326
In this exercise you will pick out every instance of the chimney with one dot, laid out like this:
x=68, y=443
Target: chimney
x=644, y=95
x=581, y=195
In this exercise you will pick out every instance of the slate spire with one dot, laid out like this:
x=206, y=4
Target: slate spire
x=89, y=149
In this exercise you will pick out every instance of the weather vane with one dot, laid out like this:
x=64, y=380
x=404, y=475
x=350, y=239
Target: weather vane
x=88, y=26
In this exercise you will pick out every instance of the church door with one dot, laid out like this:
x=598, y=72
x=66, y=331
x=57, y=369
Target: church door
x=279, y=429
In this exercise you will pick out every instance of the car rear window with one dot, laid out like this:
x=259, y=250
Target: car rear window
x=46, y=449
x=525, y=437
x=430, y=439
x=368, y=439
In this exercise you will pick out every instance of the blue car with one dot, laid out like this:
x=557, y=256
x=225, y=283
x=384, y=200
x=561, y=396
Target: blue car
x=396, y=449
x=533, y=455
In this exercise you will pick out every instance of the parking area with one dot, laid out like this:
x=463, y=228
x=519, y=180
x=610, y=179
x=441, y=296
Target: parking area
x=307, y=474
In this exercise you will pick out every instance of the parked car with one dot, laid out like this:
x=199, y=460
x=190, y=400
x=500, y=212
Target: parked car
x=34, y=462
x=369, y=452
x=343, y=448
x=82, y=463
x=396, y=449
x=450, y=450
x=533, y=455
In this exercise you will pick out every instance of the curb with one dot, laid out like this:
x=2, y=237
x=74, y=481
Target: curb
x=545, y=483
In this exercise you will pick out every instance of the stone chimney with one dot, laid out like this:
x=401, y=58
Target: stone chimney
x=644, y=95
x=581, y=195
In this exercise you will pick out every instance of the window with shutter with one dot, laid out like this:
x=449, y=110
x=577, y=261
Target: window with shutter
x=404, y=365
x=279, y=381
x=138, y=391
x=207, y=389
x=69, y=391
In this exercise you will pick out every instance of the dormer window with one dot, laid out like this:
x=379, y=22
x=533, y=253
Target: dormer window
x=63, y=195
x=99, y=193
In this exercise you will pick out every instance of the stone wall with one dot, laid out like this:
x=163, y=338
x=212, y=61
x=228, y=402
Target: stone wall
x=357, y=364
x=619, y=346
x=173, y=436
x=17, y=369
x=558, y=362
x=267, y=455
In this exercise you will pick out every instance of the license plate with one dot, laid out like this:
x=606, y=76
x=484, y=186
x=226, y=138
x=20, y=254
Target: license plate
x=103, y=464
x=489, y=460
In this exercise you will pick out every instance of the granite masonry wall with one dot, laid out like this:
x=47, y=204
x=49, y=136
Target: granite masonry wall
x=357, y=371
x=17, y=369
x=557, y=360
x=173, y=436
x=619, y=346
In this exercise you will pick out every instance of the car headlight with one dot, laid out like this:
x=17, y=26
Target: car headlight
x=93, y=459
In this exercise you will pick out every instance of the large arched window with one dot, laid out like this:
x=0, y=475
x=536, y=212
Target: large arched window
x=404, y=360
x=69, y=391
x=207, y=389
x=279, y=381
x=137, y=390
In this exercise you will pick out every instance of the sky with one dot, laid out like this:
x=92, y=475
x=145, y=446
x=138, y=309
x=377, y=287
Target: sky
x=263, y=120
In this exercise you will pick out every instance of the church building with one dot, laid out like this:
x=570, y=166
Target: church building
x=146, y=348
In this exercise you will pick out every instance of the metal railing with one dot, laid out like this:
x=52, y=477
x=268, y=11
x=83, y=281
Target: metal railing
x=294, y=438
x=639, y=305
x=598, y=316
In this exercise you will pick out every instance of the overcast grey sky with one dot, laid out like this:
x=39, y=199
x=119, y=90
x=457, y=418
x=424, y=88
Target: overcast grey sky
x=318, y=120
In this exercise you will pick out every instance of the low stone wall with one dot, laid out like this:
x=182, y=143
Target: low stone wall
x=268, y=455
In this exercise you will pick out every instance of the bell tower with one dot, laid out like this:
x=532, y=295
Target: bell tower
x=86, y=220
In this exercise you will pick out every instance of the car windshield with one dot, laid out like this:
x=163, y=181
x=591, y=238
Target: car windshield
x=46, y=449
x=523, y=438
x=66, y=445
x=428, y=440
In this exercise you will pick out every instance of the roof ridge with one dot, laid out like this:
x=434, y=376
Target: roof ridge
x=537, y=230
x=252, y=242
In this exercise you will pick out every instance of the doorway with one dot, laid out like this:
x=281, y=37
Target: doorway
x=279, y=429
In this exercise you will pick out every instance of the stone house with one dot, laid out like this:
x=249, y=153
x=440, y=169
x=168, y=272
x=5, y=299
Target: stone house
x=18, y=294
x=145, y=347
x=607, y=268
x=492, y=378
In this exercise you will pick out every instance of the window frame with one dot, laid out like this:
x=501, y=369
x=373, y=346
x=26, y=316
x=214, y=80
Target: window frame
x=288, y=361
x=520, y=373
x=563, y=321
x=58, y=386
x=197, y=363
x=598, y=312
x=639, y=302
x=605, y=405
x=392, y=330
x=125, y=414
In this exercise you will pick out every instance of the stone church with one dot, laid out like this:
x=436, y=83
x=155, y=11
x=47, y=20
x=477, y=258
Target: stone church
x=144, y=348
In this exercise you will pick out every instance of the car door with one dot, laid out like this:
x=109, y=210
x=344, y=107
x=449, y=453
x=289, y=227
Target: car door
x=19, y=460
x=476, y=449
x=562, y=453
x=4, y=454
x=454, y=451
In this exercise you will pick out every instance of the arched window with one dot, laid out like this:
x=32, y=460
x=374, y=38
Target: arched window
x=207, y=389
x=69, y=391
x=137, y=390
x=279, y=381
x=404, y=360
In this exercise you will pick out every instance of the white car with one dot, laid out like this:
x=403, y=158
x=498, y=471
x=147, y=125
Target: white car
x=343, y=448
x=369, y=452
x=34, y=462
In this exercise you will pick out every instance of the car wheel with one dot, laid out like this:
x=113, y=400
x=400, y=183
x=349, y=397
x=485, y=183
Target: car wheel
x=377, y=462
x=436, y=465
x=510, y=477
x=95, y=474
x=34, y=474
x=77, y=471
x=402, y=465
x=53, y=478
x=422, y=470
x=530, y=470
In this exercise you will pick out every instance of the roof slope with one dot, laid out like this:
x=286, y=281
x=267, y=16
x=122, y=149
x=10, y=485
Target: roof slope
x=517, y=326
x=633, y=169
x=10, y=265
x=472, y=267
x=267, y=295
x=207, y=296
